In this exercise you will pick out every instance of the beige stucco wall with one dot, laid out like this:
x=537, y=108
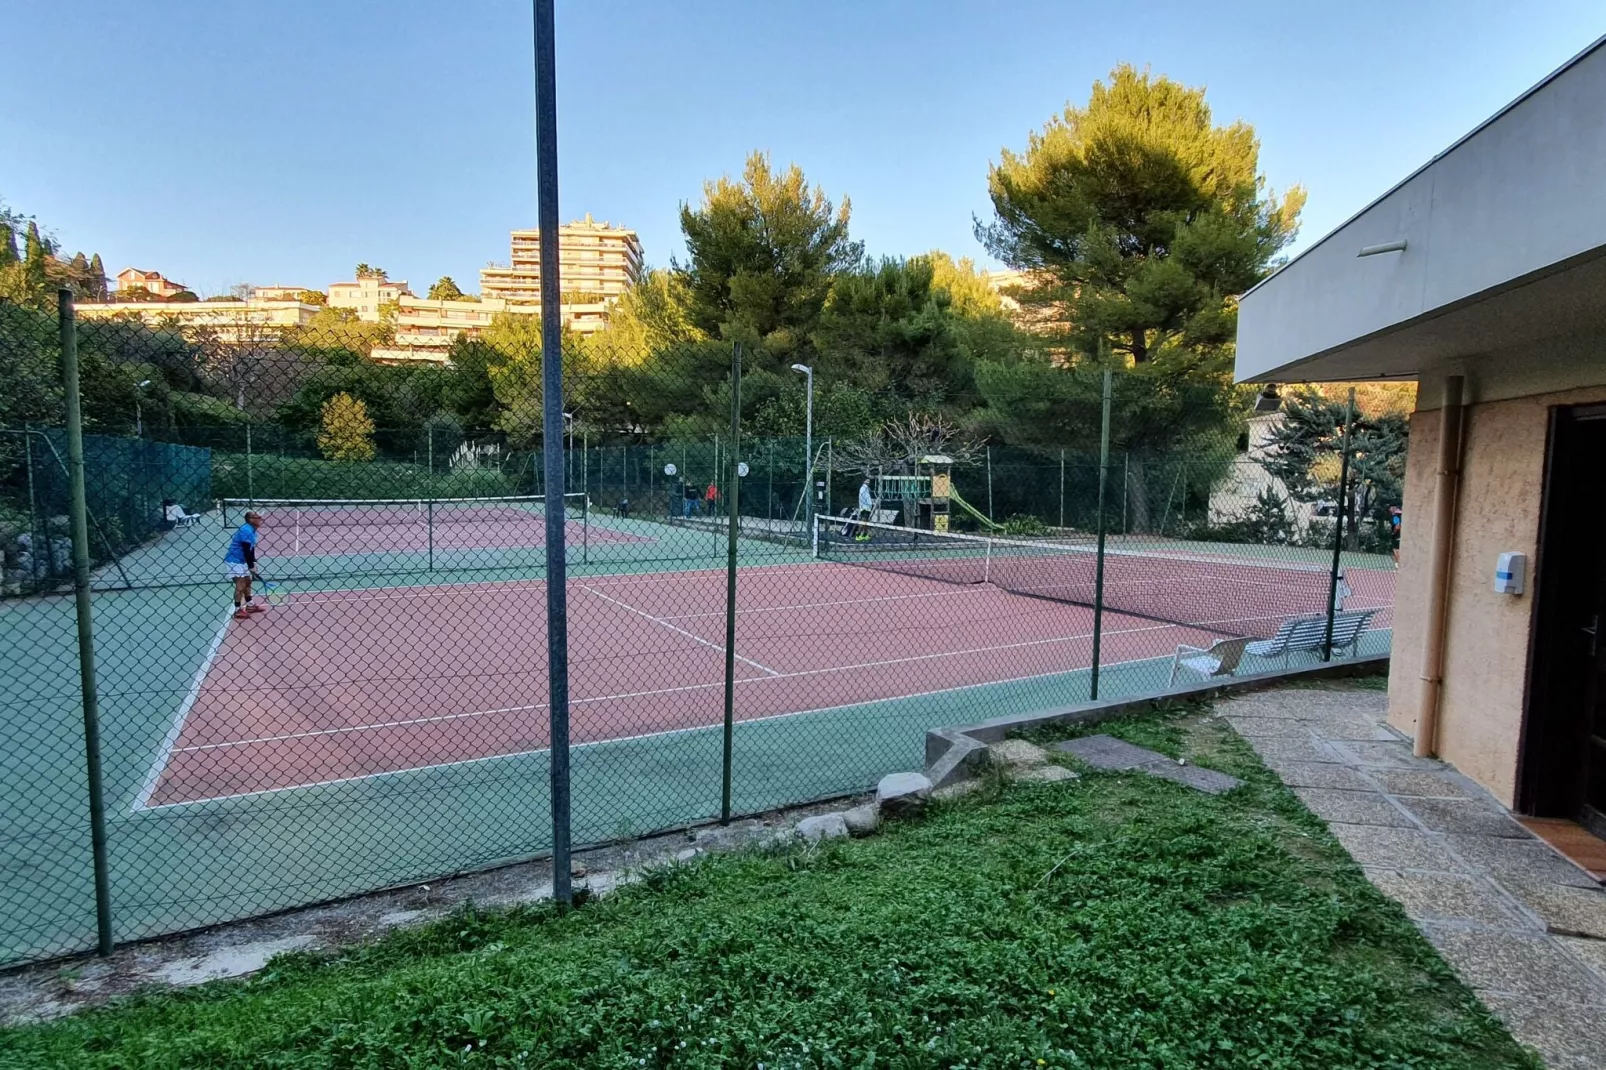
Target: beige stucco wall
x=1486, y=639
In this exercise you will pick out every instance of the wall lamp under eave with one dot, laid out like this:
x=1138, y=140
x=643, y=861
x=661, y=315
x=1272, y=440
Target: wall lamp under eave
x=1268, y=400
x=1385, y=247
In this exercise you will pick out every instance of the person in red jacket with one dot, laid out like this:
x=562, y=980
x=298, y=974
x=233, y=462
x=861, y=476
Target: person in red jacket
x=711, y=499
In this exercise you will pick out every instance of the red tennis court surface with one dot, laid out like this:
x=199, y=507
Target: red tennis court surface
x=344, y=684
x=286, y=536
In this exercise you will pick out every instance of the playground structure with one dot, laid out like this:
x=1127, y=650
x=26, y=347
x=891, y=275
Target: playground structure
x=927, y=498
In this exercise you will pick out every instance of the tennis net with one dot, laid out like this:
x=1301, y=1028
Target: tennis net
x=1219, y=591
x=389, y=512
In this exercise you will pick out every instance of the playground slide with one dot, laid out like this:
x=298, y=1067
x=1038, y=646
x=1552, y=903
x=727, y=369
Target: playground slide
x=980, y=517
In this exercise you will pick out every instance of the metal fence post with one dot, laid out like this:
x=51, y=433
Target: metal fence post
x=250, y=491
x=732, y=500
x=557, y=600
x=1338, y=528
x=79, y=509
x=1062, y=487
x=1098, y=581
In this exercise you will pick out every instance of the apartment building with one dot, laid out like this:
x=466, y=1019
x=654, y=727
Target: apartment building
x=595, y=259
x=280, y=293
x=228, y=321
x=366, y=296
x=425, y=329
x=151, y=282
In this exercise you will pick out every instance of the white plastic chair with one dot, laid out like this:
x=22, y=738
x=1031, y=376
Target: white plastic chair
x=1218, y=659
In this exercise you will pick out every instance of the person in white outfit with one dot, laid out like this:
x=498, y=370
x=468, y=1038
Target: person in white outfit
x=865, y=511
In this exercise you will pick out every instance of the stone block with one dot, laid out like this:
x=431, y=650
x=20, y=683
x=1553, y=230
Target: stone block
x=831, y=826
x=1293, y=749
x=1424, y=785
x=899, y=794
x=1569, y=1036
x=1395, y=848
x=1394, y=755
x=1044, y=774
x=1320, y=775
x=1477, y=817
x=1016, y=752
x=1352, y=807
x=1511, y=861
x=1445, y=897
x=1196, y=777
x=862, y=820
x=1568, y=911
x=1107, y=752
x=1531, y=967
x=957, y=790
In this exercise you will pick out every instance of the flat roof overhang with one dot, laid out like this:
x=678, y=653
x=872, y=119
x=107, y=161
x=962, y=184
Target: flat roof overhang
x=1492, y=255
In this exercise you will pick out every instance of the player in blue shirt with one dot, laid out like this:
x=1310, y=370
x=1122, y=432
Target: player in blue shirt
x=240, y=562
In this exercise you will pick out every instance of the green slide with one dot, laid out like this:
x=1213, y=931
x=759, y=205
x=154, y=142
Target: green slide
x=981, y=518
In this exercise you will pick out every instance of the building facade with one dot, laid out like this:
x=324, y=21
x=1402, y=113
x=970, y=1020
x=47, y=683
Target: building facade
x=151, y=282
x=425, y=329
x=594, y=259
x=227, y=321
x=366, y=296
x=1483, y=277
x=280, y=293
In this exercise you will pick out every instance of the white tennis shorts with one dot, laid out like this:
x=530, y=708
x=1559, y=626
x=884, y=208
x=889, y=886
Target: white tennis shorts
x=237, y=572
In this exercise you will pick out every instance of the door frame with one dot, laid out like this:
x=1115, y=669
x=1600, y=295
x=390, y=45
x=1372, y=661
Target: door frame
x=1550, y=760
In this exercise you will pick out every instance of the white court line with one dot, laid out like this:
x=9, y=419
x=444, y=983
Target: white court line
x=678, y=631
x=165, y=754
x=629, y=739
x=685, y=688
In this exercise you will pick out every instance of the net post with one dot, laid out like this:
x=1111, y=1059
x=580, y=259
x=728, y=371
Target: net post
x=557, y=602
x=732, y=499
x=1098, y=580
x=79, y=508
x=430, y=520
x=1338, y=528
x=585, y=528
x=1062, y=486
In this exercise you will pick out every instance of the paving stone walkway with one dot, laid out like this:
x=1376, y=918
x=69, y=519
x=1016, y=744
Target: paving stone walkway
x=1524, y=927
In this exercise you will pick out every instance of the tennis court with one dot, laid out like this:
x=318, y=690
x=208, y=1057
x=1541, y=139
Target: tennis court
x=384, y=727
x=276, y=706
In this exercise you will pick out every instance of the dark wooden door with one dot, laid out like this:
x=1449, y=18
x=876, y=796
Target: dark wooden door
x=1591, y=620
x=1564, y=744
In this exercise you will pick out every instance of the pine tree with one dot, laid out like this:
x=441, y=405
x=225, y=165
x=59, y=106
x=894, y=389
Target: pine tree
x=35, y=256
x=97, y=278
x=348, y=432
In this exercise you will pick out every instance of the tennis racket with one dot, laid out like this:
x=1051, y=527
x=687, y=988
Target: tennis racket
x=274, y=593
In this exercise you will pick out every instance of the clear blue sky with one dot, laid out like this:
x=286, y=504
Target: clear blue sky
x=220, y=141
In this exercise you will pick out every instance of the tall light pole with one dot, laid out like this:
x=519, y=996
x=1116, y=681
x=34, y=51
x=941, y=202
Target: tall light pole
x=139, y=408
x=808, y=451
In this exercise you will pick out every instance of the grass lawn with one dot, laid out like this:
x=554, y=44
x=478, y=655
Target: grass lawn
x=1117, y=921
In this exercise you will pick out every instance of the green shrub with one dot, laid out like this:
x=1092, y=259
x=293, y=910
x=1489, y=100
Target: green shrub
x=307, y=477
x=1021, y=524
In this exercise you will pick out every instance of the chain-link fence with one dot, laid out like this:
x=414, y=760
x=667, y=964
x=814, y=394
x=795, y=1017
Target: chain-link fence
x=316, y=610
